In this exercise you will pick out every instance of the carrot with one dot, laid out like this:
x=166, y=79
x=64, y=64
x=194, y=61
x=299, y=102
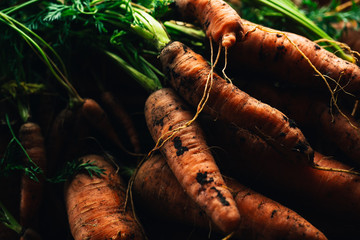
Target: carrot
x=256, y=163
x=221, y=22
x=60, y=133
x=95, y=205
x=32, y=140
x=189, y=157
x=157, y=189
x=117, y=109
x=293, y=58
x=99, y=120
x=82, y=120
x=310, y=111
x=188, y=74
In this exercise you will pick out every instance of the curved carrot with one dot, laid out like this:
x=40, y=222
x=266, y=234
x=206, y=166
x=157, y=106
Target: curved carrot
x=120, y=113
x=95, y=205
x=98, y=119
x=307, y=110
x=79, y=122
x=189, y=157
x=253, y=160
x=188, y=73
x=271, y=52
x=61, y=131
x=221, y=22
x=157, y=189
x=31, y=138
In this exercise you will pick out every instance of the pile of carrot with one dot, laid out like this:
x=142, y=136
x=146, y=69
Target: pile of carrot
x=259, y=140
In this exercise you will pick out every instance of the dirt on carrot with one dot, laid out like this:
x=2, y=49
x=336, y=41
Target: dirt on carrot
x=310, y=111
x=249, y=158
x=188, y=74
x=189, y=157
x=293, y=58
x=157, y=189
x=95, y=205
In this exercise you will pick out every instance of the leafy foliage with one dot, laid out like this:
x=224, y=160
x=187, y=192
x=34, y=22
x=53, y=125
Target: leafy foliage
x=328, y=15
x=76, y=166
x=13, y=158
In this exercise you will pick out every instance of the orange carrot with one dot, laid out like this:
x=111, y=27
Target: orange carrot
x=78, y=122
x=221, y=22
x=310, y=111
x=189, y=157
x=99, y=120
x=117, y=109
x=270, y=51
x=188, y=74
x=31, y=138
x=95, y=205
x=60, y=133
x=157, y=189
x=258, y=164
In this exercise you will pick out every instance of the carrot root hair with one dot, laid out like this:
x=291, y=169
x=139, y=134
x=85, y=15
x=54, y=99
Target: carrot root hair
x=324, y=78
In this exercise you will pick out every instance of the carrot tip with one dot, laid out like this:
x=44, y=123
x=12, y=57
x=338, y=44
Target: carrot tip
x=228, y=40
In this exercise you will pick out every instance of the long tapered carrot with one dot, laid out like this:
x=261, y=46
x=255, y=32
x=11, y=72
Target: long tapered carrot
x=189, y=157
x=98, y=118
x=307, y=110
x=253, y=160
x=157, y=189
x=293, y=58
x=95, y=205
x=78, y=120
x=220, y=21
x=60, y=132
x=188, y=73
x=117, y=109
x=31, y=196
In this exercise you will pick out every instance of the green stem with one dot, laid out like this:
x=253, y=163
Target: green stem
x=147, y=83
x=8, y=220
x=150, y=31
x=74, y=96
x=162, y=38
x=14, y=138
x=17, y=7
x=188, y=31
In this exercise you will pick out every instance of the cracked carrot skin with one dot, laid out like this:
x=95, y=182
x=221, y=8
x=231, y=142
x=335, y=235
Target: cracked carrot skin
x=95, y=205
x=190, y=159
x=157, y=189
x=220, y=21
x=269, y=51
x=188, y=72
